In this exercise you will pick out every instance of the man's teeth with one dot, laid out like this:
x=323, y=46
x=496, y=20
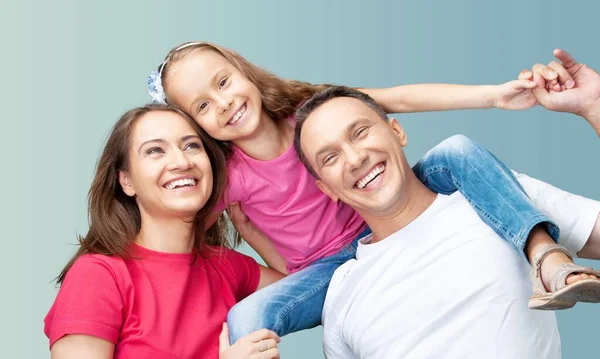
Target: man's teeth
x=238, y=115
x=370, y=176
x=184, y=182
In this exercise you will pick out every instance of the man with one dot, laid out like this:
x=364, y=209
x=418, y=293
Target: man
x=433, y=281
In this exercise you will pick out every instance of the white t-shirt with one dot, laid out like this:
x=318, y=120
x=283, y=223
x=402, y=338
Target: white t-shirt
x=447, y=286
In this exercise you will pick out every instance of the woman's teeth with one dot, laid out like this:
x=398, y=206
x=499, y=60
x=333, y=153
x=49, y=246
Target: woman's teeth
x=184, y=182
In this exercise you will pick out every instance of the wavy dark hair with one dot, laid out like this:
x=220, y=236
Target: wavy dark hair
x=114, y=217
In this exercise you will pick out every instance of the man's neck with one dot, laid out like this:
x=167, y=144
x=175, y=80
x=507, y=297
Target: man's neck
x=169, y=235
x=412, y=202
x=271, y=139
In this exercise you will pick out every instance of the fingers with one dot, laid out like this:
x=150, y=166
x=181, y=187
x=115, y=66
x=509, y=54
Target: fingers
x=263, y=334
x=548, y=75
x=224, y=338
x=540, y=92
x=523, y=84
x=265, y=344
x=564, y=77
x=269, y=354
x=525, y=75
x=565, y=58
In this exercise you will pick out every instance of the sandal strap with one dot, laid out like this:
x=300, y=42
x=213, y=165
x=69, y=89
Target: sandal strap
x=559, y=279
x=538, y=283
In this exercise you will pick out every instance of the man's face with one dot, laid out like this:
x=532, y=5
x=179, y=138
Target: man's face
x=356, y=154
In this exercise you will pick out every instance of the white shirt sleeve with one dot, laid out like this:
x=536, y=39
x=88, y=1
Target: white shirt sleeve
x=575, y=215
x=335, y=347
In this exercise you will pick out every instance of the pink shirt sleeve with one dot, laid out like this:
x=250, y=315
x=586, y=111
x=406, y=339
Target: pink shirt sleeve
x=246, y=273
x=235, y=191
x=88, y=302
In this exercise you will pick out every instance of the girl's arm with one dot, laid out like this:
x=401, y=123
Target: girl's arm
x=513, y=95
x=268, y=276
x=256, y=239
x=82, y=346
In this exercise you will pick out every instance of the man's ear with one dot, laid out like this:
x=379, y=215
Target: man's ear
x=125, y=182
x=325, y=189
x=399, y=132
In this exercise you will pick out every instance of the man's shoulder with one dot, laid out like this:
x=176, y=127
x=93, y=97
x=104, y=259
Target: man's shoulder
x=333, y=301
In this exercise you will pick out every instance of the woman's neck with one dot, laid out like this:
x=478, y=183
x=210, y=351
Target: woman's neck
x=271, y=139
x=169, y=235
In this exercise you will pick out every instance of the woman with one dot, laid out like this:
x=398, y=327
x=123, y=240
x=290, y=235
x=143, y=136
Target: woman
x=146, y=280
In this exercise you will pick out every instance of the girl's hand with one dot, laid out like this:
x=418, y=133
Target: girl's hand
x=239, y=218
x=261, y=344
x=515, y=95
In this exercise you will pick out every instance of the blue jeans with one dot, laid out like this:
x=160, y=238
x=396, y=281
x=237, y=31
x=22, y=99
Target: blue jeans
x=458, y=163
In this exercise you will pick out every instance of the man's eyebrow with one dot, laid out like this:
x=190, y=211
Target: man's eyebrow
x=348, y=129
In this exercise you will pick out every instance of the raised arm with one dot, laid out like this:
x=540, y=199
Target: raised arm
x=513, y=95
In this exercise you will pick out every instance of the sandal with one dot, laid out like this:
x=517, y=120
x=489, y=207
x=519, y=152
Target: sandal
x=561, y=295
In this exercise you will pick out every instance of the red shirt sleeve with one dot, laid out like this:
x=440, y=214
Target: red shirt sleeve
x=88, y=302
x=246, y=272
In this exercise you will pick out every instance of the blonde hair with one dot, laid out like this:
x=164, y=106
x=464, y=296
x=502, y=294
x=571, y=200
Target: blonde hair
x=280, y=97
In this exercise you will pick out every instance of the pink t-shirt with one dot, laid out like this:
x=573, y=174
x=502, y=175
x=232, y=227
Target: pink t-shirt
x=282, y=199
x=160, y=305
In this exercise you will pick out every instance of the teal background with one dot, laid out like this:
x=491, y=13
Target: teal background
x=70, y=68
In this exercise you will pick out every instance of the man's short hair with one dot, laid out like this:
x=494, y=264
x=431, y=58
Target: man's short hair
x=319, y=99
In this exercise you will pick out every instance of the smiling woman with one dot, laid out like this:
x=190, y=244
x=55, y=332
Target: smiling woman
x=147, y=279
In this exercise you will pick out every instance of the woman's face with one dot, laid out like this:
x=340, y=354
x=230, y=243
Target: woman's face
x=221, y=99
x=169, y=172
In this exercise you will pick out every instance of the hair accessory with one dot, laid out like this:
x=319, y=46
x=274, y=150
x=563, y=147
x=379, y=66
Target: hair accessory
x=155, y=88
x=154, y=81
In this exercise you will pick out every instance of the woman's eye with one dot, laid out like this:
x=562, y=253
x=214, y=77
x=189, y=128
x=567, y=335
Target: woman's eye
x=154, y=150
x=193, y=146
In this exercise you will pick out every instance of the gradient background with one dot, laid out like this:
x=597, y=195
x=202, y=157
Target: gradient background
x=71, y=68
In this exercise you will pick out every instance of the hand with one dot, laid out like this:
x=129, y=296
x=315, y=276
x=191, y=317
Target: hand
x=239, y=218
x=261, y=344
x=577, y=90
x=515, y=95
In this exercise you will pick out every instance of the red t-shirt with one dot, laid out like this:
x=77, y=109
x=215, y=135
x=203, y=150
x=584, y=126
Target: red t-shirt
x=155, y=305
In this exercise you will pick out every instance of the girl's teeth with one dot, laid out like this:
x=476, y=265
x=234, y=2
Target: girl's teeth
x=238, y=115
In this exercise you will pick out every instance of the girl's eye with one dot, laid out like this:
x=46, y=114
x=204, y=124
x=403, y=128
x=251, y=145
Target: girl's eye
x=154, y=150
x=223, y=82
x=202, y=106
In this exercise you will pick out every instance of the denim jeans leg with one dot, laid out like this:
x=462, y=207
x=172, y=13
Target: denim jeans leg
x=459, y=163
x=291, y=304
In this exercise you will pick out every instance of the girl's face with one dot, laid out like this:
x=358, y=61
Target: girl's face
x=216, y=94
x=169, y=172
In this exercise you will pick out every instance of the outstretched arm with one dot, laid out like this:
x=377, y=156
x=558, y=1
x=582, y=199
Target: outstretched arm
x=513, y=95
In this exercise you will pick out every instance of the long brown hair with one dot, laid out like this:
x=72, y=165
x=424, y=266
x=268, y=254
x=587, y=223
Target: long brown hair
x=115, y=218
x=280, y=97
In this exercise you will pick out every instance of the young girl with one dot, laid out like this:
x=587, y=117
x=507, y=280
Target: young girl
x=298, y=229
x=146, y=280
